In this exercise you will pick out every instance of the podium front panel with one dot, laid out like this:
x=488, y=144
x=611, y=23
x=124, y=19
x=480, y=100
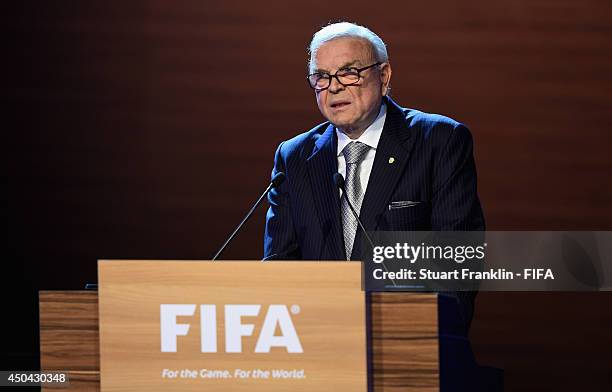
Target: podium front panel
x=231, y=325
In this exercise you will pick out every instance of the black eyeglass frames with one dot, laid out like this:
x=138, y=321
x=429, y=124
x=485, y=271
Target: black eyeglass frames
x=345, y=76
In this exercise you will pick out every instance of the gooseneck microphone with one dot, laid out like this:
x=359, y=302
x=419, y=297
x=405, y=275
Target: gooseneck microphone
x=276, y=181
x=339, y=181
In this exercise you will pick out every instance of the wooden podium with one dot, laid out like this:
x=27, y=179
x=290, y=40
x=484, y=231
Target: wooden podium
x=402, y=328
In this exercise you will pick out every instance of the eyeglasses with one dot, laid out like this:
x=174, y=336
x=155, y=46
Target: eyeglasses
x=346, y=76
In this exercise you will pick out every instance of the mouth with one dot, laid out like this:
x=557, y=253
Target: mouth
x=340, y=104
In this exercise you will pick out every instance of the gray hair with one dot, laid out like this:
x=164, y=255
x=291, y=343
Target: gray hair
x=346, y=30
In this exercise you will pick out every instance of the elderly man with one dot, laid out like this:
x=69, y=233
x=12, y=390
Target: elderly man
x=404, y=169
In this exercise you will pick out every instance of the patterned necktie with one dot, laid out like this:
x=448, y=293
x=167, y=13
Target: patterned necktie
x=354, y=153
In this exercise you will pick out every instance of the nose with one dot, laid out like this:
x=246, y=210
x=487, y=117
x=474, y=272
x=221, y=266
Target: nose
x=335, y=85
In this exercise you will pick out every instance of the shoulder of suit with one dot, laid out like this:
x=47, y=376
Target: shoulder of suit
x=432, y=124
x=416, y=117
x=304, y=141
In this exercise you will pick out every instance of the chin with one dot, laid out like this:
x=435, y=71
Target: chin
x=342, y=123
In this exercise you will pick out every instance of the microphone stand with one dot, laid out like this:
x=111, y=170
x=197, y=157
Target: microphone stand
x=276, y=181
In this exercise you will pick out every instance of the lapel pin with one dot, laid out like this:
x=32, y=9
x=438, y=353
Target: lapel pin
x=391, y=160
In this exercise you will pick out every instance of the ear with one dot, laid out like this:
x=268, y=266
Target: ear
x=385, y=78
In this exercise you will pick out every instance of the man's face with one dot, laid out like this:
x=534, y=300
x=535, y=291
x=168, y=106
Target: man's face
x=351, y=108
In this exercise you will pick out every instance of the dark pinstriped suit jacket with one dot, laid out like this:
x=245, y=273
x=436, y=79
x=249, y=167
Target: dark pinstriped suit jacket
x=433, y=164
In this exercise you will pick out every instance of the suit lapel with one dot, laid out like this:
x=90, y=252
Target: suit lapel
x=392, y=154
x=322, y=164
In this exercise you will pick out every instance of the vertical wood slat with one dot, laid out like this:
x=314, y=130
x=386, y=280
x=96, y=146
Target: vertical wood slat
x=69, y=337
x=404, y=339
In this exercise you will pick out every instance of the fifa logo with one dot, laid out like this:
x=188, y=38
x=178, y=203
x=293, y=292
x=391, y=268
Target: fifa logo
x=277, y=316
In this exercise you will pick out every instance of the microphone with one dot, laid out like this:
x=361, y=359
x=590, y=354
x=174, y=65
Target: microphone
x=339, y=181
x=275, y=182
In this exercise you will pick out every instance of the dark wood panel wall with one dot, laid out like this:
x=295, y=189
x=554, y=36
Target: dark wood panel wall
x=144, y=129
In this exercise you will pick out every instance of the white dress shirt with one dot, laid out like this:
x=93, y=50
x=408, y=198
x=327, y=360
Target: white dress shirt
x=371, y=136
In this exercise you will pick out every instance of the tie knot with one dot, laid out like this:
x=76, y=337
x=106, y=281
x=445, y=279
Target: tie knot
x=354, y=152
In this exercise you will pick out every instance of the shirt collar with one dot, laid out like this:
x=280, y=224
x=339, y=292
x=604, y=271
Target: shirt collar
x=370, y=136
